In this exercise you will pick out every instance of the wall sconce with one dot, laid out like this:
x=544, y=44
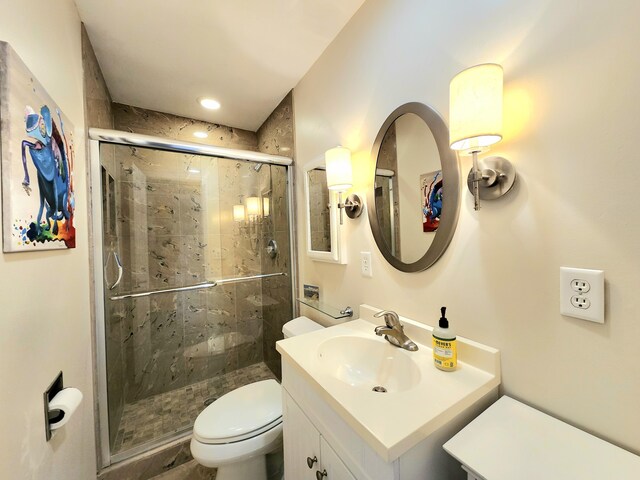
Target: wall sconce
x=475, y=117
x=238, y=213
x=265, y=206
x=253, y=207
x=340, y=178
x=248, y=215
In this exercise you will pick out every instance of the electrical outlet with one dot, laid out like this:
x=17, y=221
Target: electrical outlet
x=582, y=293
x=580, y=286
x=365, y=264
x=580, y=301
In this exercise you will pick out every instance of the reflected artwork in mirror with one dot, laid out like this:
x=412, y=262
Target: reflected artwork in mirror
x=414, y=186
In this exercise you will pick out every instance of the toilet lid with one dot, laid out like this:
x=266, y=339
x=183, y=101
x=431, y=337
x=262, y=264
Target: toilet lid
x=242, y=413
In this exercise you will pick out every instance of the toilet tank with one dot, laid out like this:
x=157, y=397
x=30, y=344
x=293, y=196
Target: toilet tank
x=299, y=326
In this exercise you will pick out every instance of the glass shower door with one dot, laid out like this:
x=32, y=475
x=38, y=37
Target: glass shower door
x=173, y=220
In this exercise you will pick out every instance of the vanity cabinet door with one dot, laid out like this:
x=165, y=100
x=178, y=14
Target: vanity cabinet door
x=301, y=443
x=332, y=465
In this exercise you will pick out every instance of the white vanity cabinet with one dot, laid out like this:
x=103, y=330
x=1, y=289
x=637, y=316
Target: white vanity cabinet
x=307, y=454
x=336, y=413
x=312, y=429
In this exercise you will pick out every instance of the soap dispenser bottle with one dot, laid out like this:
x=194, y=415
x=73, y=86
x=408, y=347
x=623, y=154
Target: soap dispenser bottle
x=445, y=351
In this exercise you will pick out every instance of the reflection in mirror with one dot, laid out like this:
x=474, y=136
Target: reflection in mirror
x=319, y=210
x=325, y=243
x=411, y=158
x=408, y=197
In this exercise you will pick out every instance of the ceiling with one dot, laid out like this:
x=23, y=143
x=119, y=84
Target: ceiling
x=247, y=54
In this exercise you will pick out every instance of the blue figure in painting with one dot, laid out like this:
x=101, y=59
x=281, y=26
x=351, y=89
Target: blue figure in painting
x=50, y=159
x=435, y=199
x=432, y=207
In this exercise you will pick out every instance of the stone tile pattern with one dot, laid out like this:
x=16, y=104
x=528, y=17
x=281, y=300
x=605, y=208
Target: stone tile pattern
x=152, y=463
x=149, y=122
x=99, y=114
x=176, y=226
x=97, y=97
x=276, y=136
x=170, y=413
x=388, y=159
x=319, y=210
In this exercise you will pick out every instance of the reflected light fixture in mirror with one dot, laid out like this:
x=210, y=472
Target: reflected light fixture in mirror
x=238, y=213
x=475, y=123
x=265, y=206
x=340, y=178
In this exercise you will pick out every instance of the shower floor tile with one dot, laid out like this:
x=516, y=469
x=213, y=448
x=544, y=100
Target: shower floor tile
x=166, y=414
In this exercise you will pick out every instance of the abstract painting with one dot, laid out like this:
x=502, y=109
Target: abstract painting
x=37, y=162
x=431, y=195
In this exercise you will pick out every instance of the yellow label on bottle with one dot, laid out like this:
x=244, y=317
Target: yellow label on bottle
x=445, y=353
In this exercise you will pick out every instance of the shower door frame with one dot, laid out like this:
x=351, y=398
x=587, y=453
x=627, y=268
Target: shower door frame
x=98, y=136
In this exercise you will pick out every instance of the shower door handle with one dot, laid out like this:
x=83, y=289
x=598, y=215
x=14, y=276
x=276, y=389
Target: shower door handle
x=120, y=269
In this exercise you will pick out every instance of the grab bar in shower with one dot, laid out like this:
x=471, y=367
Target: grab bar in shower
x=197, y=286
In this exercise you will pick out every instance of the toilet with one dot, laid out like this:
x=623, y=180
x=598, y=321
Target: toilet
x=237, y=431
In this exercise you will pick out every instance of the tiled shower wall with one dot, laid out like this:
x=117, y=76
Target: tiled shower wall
x=177, y=230
x=276, y=136
x=99, y=114
x=319, y=228
x=388, y=160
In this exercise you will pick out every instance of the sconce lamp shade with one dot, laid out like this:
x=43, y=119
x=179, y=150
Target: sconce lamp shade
x=253, y=206
x=338, y=164
x=238, y=213
x=475, y=108
x=265, y=206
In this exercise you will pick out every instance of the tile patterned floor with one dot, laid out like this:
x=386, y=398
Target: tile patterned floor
x=173, y=412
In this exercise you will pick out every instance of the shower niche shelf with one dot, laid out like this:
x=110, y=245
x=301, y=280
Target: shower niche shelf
x=333, y=312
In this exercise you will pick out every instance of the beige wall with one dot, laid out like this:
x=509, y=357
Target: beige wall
x=571, y=115
x=45, y=322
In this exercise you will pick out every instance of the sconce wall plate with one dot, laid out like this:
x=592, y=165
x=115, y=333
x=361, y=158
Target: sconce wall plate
x=498, y=177
x=353, y=206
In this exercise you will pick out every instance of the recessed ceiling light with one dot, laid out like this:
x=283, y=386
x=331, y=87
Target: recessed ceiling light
x=200, y=134
x=209, y=103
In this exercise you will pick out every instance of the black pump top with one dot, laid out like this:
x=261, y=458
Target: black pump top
x=443, y=323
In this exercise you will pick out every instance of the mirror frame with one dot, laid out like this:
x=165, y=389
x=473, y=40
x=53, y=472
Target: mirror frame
x=337, y=254
x=451, y=188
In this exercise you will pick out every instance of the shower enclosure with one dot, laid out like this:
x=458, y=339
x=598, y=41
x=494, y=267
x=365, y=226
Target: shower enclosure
x=194, y=279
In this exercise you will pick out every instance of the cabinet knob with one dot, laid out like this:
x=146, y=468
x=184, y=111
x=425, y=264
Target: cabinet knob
x=321, y=474
x=311, y=461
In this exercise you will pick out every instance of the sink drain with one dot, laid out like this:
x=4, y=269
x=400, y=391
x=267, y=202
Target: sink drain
x=379, y=389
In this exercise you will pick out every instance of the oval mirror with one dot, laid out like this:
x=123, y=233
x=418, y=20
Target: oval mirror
x=414, y=188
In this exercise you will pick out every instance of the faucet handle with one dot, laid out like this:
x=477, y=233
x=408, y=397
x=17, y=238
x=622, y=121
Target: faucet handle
x=390, y=318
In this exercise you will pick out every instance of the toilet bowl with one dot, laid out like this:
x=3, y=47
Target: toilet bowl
x=237, y=431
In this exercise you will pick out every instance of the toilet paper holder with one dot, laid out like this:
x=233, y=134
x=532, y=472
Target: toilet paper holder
x=52, y=416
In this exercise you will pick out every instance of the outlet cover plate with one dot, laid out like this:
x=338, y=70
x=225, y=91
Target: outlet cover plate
x=365, y=264
x=571, y=298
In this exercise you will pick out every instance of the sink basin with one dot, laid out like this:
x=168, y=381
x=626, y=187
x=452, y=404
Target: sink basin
x=340, y=365
x=366, y=363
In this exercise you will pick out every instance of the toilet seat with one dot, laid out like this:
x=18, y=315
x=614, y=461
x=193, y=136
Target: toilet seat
x=241, y=414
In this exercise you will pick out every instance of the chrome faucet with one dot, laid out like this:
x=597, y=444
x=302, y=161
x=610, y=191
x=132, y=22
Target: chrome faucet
x=393, y=331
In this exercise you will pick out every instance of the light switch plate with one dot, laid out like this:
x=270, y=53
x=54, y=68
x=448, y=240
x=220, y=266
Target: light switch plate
x=582, y=293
